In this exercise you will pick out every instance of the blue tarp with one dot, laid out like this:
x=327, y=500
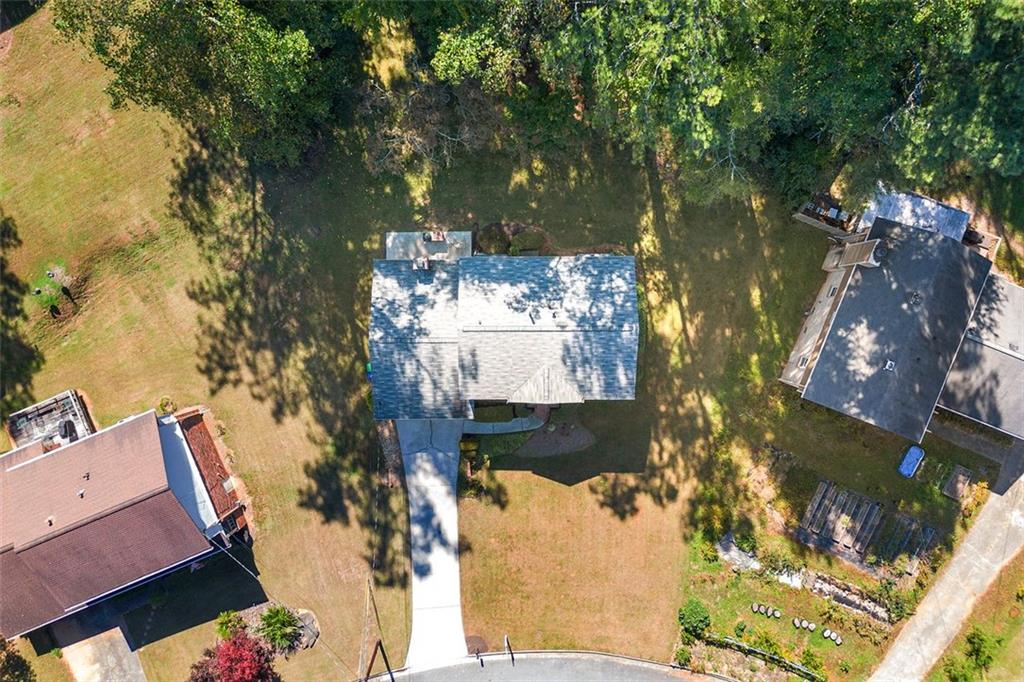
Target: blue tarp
x=911, y=460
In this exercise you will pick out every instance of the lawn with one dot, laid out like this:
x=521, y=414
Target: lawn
x=999, y=612
x=198, y=288
x=726, y=288
x=93, y=188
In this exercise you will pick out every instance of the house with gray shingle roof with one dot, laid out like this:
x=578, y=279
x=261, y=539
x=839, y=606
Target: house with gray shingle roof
x=909, y=319
x=514, y=329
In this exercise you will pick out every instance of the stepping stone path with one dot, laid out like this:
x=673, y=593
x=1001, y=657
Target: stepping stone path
x=769, y=611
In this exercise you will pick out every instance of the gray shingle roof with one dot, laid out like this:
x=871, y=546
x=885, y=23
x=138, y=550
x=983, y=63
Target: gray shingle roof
x=413, y=341
x=520, y=329
x=987, y=379
x=548, y=330
x=912, y=310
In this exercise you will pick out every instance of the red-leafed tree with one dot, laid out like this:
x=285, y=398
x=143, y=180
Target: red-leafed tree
x=244, y=658
x=241, y=658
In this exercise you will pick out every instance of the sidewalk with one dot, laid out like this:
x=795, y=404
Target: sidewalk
x=996, y=536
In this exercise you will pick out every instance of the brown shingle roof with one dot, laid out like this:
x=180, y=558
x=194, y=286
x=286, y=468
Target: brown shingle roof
x=211, y=467
x=127, y=526
x=123, y=463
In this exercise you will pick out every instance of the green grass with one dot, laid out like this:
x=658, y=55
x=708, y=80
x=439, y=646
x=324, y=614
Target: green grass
x=93, y=187
x=998, y=612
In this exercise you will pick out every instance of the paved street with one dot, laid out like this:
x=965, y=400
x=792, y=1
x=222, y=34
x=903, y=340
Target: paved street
x=996, y=536
x=551, y=666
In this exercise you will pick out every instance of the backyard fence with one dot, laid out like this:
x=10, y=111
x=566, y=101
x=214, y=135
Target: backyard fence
x=779, y=661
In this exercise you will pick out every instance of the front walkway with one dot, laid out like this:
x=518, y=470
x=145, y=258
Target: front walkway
x=996, y=536
x=430, y=453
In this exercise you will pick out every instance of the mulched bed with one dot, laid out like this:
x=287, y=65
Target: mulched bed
x=557, y=439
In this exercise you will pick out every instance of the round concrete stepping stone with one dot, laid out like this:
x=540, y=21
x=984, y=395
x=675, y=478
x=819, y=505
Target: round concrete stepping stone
x=839, y=640
x=796, y=623
x=833, y=636
x=777, y=614
x=804, y=624
x=762, y=609
x=811, y=627
x=825, y=633
x=754, y=607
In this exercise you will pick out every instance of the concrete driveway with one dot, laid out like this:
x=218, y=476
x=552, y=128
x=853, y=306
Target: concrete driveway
x=95, y=649
x=996, y=536
x=430, y=453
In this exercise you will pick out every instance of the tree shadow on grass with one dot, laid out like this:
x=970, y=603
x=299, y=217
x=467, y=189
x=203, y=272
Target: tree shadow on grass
x=707, y=336
x=284, y=314
x=19, y=359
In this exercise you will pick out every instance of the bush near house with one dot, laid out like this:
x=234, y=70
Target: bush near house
x=242, y=658
x=229, y=623
x=280, y=627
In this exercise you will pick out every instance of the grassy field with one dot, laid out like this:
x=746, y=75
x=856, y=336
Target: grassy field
x=1001, y=613
x=250, y=293
x=95, y=189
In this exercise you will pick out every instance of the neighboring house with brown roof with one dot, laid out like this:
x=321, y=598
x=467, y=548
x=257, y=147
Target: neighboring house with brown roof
x=82, y=522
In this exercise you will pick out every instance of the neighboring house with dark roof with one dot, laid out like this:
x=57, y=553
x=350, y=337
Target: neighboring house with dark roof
x=84, y=521
x=883, y=340
x=514, y=329
x=986, y=383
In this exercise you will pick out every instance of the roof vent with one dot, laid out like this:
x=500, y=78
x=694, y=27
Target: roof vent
x=81, y=493
x=890, y=366
x=422, y=263
x=916, y=298
x=49, y=521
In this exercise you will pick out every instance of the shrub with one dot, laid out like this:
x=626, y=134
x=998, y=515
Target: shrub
x=280, y=627
x=982, y=647
x=56, y=652
x=694, y=618
x=777, y=561
x=528, y=240
x=844, y=666
x=1020, y=593
x=708, y=552
x=684, y=656
x=746, y=542
x=895, y=602
x=205, y=669
x=812, y=661
x=13, y=666
x=228, y=623
x=973, y=501
x=957, y=669
x=167, y=405
x=766, y=643
x=740, y=629
x=243, y=659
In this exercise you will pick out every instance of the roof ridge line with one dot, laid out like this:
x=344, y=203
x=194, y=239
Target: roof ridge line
x=96, y=517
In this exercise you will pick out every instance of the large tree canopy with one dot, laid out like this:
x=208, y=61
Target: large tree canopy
x=244, y=75
x=720, y=94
